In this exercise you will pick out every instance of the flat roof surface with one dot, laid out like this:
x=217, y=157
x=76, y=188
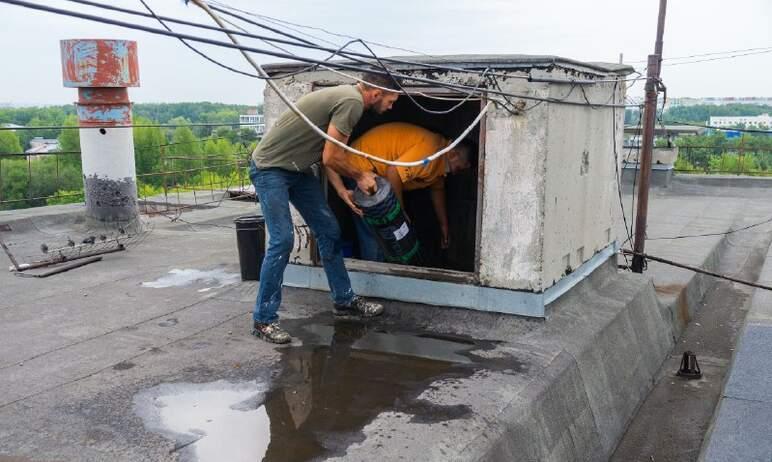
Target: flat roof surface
x=147, y=354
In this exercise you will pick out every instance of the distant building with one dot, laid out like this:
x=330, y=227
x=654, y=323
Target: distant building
x=714, y=101
x=253, y=120
x=763, y=121
x=39, y=145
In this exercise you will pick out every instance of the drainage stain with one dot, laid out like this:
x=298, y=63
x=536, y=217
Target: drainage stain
x=327, y=390
x=124, y=365
x=168, y=323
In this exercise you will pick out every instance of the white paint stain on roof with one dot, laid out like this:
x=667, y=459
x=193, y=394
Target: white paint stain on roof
x=214, y=279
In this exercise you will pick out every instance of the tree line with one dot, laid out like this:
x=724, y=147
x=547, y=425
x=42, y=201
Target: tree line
x=701, y=114
x=185, y=150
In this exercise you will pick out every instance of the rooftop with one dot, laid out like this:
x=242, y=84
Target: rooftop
x=147, y=354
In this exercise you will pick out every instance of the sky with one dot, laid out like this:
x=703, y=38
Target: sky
x=594, y=30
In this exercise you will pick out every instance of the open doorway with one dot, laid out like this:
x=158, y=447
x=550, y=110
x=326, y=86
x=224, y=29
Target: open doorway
x=462, y=190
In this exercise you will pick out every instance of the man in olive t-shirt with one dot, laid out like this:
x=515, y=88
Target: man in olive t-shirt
x=280, y=171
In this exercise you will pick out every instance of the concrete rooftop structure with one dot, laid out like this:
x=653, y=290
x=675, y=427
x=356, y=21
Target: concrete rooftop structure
x=535, y=218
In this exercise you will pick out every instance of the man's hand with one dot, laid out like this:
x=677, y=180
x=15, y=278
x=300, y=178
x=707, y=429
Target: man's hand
x=366, y=182
x=348, y=197
x=444, y=237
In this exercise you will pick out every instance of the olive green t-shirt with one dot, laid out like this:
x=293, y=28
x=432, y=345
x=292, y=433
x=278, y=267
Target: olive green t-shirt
x=292, y=145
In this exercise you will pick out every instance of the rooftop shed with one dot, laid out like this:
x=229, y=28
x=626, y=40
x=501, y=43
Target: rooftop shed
x=535, y=215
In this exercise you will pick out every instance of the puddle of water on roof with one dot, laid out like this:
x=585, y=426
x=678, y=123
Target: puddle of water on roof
x=329, y=388
x=215, y=279
x=209, y=422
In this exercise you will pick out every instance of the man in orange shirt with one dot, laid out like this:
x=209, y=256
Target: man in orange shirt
x=399, y=141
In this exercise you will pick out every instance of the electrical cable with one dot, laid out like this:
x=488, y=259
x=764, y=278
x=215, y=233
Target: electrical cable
x=228, y=45
x=696, y=269
x=194, y=49
x=329, y=138
x=635, y=174
x=370, y=42
x=706, y=54
x=719, y=58
x=731, y=231
x=136, y=148
x=616, y=170
x=76, y=127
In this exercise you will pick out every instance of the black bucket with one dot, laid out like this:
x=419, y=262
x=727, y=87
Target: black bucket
x=250, y=240
x=395, y=235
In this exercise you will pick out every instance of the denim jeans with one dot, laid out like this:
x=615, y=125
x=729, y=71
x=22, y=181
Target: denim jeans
x=276, y=188
x=368, y=244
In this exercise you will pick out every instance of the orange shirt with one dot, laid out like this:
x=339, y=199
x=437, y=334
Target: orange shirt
x=405, y=143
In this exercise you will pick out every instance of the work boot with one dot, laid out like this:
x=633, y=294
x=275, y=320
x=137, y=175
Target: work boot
x=271, y=332
x=358, y=308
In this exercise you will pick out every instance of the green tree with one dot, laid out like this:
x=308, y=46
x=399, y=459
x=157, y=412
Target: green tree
x=147, y=150
x=69, y=141
x=9, y=142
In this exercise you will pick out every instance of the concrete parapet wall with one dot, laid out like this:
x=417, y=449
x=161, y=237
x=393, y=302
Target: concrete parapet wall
x=601, y=366
x=742, y=421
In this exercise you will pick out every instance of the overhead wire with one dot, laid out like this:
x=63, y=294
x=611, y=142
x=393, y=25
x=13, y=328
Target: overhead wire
x=324, y=135
x=697, y=269
x=718, y=58
x=669, y=58
x=383, y=66
x=724, y=233
x=243, y=48
x=287, y=25
x=616, y=170
x=293, y=40
x=77, y=127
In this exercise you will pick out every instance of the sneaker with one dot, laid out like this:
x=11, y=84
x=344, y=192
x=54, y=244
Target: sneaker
x=359, y=308
x=271, y=333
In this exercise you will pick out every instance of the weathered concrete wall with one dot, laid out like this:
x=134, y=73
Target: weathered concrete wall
x=513, y=199
x=580, y=179
x=579, y=403
x=273, y=107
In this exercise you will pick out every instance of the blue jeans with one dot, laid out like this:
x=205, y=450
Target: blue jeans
x=368, y=244
x=276, y=188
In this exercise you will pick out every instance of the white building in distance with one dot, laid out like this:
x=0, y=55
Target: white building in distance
x=718, y=101
x=254, y=121
x=763, y=121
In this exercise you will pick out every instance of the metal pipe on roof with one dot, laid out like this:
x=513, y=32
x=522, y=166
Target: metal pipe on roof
x=102, y=70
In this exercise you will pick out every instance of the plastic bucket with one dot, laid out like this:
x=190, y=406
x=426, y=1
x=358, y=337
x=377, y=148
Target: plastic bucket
x=250, y=241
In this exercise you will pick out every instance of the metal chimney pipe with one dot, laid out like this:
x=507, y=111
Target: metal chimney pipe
x=102, y=70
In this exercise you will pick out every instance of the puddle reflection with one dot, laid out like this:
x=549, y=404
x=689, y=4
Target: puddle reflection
x=327, y=391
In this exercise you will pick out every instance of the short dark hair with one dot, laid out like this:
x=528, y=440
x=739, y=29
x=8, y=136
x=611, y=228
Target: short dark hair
x=373, y=80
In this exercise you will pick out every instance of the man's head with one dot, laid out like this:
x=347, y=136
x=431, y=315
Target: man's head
x=377, y=99
x=460, y=158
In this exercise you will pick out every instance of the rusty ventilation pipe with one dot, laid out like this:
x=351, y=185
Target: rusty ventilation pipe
x=102, y=70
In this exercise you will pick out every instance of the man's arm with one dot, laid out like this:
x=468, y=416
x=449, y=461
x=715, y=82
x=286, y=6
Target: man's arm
x=392, y=174
x=334, y=158
x=343, y=192
x=440, y=208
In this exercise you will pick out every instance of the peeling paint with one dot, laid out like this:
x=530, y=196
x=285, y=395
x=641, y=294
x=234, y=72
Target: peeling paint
x=99, y=63
x=104, y=114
